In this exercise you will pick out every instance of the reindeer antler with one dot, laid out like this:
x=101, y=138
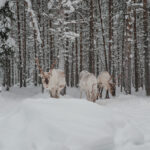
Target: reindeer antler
x=38, y=64
x=52, y=67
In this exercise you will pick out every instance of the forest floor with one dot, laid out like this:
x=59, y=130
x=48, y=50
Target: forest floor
x=30, y=120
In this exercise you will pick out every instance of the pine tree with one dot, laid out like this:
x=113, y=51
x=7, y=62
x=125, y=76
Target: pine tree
x=6, y=42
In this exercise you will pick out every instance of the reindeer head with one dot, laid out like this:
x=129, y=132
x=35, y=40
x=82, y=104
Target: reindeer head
x=112, y=89
x=45, y=75
x=45, y=79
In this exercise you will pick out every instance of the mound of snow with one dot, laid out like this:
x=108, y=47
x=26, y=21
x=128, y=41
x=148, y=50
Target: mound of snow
x=129, y=134
x=53, y=124
x=42, y=123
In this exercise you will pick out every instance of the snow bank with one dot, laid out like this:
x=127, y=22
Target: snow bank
x=36, y=122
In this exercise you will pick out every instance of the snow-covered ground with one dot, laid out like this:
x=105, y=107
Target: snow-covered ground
x=30, y=120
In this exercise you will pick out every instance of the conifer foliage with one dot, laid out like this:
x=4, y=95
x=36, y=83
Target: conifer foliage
x=6, y=42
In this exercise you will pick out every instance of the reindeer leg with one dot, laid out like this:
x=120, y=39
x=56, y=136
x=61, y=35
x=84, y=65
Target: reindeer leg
x=87, y=96
x=107, y=94
x=98, y=93
x=50, y=93
x=57, y=94
x=80, y=94
x=101, y=91
x=91, y=96
x=65, y=90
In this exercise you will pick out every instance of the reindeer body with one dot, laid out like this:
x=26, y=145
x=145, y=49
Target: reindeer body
x=105, y=81
x=54, y=80
x=56, y=83
x=88, y=84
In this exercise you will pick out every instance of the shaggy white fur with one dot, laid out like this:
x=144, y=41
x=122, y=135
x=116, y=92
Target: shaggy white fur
x=88, y=84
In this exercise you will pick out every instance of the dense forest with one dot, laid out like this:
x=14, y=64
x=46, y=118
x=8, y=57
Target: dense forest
x=92, y=35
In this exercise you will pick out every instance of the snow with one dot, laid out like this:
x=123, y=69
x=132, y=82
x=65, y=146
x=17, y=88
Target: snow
x=76, y=2
x=67, y=5
x=50, y=4
x=11, y=42
x=34, y=22
x=70, y=35
x=30, y=120
x=2, y=3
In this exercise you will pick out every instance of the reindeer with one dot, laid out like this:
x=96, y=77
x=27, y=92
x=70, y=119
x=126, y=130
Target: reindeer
x=54, y=80
x=88, y=84
x=104, y=80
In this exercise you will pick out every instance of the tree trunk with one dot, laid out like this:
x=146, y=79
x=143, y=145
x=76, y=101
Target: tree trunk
x=51, y=44
x=35, y=55
x=81, y=48
x=19, y=42
x=110, y=34
x=76, y=48
x=103, y=37
x=146, y=50
x=72, y=67
x=24, y=47
x=122, y=56
x=91, y=51
x=67, y=58
x=128, y=49
x=135, y=53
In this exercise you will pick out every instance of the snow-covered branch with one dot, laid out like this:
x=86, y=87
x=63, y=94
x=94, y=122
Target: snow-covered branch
x=34, y=20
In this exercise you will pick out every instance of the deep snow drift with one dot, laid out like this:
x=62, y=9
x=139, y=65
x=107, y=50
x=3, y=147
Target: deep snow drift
x=30, y=120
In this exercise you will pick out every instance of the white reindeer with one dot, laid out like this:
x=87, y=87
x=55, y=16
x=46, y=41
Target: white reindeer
x=54, y=80
x=88, y=84
x=105, y=81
